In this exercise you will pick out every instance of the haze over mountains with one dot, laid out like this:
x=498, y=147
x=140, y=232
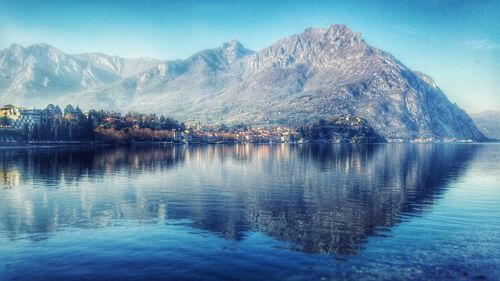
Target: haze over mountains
x=316, y=74
x=488, y=122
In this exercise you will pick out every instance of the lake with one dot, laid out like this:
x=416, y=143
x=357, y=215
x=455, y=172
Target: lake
x=251, y=212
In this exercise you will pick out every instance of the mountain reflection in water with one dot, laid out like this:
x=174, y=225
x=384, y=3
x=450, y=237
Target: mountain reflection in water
x=319, y=198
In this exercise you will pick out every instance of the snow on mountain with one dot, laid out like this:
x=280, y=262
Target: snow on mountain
x=122, y=67
x=39, y=73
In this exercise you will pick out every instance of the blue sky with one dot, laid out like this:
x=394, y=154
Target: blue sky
x=456, y=42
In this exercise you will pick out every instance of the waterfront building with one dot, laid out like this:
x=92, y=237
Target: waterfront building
x=20, y=117
x=11, y=112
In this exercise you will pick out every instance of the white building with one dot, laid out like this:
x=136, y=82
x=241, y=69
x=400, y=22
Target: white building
x=20, y=117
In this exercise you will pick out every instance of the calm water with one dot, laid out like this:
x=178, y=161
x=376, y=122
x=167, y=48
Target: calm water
x=251, y=212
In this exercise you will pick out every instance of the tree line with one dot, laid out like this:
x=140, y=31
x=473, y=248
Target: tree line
x=71, y=124
x=340, y=129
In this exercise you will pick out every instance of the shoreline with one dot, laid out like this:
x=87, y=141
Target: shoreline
x=102, y=144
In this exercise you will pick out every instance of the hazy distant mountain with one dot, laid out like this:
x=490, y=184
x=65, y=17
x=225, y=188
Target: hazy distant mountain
x=488, y=122
x=316, y=74
x=41, y=73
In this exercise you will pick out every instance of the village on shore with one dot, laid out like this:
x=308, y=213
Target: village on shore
x=72, y=125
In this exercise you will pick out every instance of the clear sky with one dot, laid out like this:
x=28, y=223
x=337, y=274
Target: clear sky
x=457, y=42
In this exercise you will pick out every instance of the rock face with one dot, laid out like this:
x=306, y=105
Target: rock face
x=488, y=122
x=320, y=73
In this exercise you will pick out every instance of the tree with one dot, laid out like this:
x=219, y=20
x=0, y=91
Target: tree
x=35, y=132
x=50, y=109
x=77, y=112
x=223, y=128
x=57, y=110
x=89, y=128
x=69, y=109
x=26, y=132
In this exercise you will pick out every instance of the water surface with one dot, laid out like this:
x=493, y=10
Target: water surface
x=248, y=212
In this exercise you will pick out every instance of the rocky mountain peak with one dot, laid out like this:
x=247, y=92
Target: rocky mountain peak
x=14, y=50
x=337, y=36
x=342, y=36
x=45, y=50
x=40, y=46
x=15, y=46
x=317, y=47
x=232, y=44
x=234, y=50
x=341, y=30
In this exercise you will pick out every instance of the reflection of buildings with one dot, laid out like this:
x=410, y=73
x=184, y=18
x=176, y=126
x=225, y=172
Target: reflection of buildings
x=325, y=198
x=10, y=178
x=40, y=176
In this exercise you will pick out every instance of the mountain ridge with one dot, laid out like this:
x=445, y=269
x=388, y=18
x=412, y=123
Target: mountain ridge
x=301, y=78
x=488, y=122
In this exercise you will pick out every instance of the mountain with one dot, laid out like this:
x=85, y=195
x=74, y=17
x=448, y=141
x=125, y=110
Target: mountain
x=320, y=73
x=41, y=73
x=488, y=122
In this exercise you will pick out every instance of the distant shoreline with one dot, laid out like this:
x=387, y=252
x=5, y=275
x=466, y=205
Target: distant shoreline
x=135, y=144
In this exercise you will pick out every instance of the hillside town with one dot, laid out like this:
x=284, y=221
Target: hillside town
x=17, y=122
x=71, y=124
